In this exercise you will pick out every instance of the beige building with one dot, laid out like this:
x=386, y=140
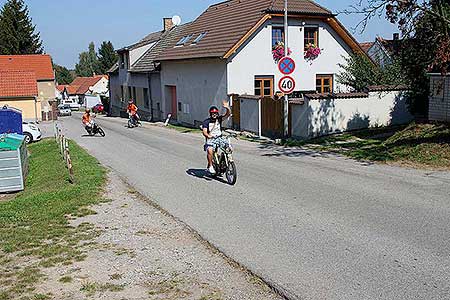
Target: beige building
x=41, y=66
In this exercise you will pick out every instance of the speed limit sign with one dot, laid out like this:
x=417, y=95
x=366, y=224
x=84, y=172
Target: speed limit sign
x=286, y=84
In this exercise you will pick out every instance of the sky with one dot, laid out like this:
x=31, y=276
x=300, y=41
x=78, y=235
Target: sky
x=67, y=27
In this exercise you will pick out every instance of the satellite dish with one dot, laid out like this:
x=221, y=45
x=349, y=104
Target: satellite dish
x=176, y=20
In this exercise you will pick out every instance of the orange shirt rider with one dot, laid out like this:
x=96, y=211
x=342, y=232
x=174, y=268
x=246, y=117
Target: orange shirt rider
x=86, y=118
x=132, y=109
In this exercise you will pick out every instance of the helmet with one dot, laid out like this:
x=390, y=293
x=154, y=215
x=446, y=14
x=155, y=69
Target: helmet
x=88, y=110
x=213, y=109
x=131, y=101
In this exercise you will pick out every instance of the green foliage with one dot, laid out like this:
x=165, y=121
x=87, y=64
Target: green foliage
x=107, y=56
x=34, y=226
x=63, y=75
x=360, y=73
x=17, y=32
x=88, y=64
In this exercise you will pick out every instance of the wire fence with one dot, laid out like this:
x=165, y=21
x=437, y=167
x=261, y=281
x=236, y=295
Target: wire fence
x=63, y=143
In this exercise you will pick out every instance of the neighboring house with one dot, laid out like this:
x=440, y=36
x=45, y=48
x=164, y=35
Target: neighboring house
x=439, y=103
x=41, y=65
x=220, y=55
x=95, y=85
x=136, y=76
x=68, y=92
x=19, y=89
x=382, y=51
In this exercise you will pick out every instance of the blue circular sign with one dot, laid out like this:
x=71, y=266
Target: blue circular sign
x=286, y=65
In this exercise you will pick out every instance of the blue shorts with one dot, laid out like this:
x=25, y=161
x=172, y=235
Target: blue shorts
x=217, y=142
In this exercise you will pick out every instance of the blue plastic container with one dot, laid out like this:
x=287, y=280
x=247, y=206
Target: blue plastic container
x=10, y=121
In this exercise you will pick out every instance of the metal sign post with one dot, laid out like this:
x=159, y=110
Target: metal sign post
x=286, y=51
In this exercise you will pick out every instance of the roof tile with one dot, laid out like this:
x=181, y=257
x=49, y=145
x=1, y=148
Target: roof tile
x=18, y=84
x=40, y=64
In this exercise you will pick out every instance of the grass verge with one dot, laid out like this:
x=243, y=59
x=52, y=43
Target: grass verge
x=34, y=225
x=416, y=145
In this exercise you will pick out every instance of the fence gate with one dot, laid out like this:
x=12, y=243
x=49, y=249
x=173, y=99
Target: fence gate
x=272, y=120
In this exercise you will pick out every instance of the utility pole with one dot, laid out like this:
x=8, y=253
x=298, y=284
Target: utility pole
x=286, y=51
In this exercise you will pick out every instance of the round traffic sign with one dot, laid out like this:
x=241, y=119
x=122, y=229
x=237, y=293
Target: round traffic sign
x=286, y=65
x=286, y=84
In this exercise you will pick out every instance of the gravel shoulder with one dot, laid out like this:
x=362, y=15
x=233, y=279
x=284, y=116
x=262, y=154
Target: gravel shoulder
x=143, y=253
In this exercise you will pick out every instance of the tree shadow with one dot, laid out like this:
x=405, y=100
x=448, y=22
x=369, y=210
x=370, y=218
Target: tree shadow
x=204, y=174
x=358, y=121
x=290, y=151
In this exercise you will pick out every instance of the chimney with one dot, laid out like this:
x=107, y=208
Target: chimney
x=396, y=36
x=168, y=24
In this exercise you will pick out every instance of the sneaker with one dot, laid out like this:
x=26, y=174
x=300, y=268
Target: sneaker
x=211, y=170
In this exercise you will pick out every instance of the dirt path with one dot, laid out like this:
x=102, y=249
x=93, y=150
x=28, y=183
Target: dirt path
x=142, y=253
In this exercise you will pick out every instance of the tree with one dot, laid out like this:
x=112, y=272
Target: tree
x=88, y=64
x=107, y=56
x=63, y=75
x=359, y=73
x=17, y=32
x=425, y=26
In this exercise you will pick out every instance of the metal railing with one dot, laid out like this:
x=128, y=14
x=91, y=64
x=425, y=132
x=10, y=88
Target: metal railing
x=63, y=143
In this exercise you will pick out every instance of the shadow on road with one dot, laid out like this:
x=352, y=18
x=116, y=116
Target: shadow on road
x=203, y=174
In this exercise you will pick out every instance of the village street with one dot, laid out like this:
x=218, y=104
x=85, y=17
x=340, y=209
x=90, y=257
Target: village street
x=312, y=225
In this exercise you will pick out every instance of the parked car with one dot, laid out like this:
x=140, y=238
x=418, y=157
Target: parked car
x=73, y=104
x=64, y=110
x=99, y=108
x=31, y=132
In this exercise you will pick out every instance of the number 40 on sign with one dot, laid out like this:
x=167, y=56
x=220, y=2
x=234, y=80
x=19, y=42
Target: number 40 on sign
x=286, y=84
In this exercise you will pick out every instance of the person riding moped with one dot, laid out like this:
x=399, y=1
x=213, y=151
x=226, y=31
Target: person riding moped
x=212, y=131
x=132, y=111
x=87, y=120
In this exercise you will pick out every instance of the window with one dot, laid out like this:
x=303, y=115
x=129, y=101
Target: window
x=264, y=86
x=184, y=40
x=277, y=35
x=146, y=99
x=311, y=36
x=134, y=94
x=122, y=93
x=324, y=83
x=129, y=93
x=179, y=106
x=122, y=61
x=199, y=38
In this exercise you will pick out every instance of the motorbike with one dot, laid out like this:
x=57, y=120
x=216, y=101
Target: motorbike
x=223, y=162
x=95, y=129
x=133, y=122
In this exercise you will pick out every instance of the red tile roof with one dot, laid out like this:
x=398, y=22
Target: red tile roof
x=84, y=83
x=72, y=89
x=366, y=46
x=61, y=87
x=40, y=64
x=18, y=84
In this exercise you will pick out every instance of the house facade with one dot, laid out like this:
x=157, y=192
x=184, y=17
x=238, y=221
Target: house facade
x=382, y=51
x=41, y=65
x=221, y=56
x=19, y=89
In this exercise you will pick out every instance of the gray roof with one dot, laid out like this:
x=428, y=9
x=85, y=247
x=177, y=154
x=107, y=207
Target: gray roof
x=147, y=63
x=114, y=68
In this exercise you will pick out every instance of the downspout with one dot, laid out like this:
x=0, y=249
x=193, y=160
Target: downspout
x=35, y=109
x=149, y=75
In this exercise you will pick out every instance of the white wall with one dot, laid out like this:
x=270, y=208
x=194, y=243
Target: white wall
x=249, y=115
x=321, y=117
x=255, y=58
x=200, y=83
x=101, y=87
x=439, y=108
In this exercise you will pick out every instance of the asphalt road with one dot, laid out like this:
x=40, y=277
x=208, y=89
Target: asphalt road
x=315, y=226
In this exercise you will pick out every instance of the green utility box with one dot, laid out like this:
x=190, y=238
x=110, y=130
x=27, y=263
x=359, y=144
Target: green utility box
x=13, y=162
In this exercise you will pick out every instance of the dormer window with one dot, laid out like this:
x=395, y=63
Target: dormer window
x=199, y=38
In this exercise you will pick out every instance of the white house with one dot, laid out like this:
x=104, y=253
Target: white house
x=228, y=50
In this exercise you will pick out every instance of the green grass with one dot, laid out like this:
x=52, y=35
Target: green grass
x=184, y=129
x=418, y=145
x=34, y=226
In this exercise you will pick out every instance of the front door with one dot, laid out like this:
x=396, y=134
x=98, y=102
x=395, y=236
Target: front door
x=173, y=95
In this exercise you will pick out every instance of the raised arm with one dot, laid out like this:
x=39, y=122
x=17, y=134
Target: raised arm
x=227, y=107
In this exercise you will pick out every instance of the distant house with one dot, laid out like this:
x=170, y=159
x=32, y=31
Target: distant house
x=382, y=51
x=137, y=74
x=95, y=85
x=41, y=65
x=19, y=89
